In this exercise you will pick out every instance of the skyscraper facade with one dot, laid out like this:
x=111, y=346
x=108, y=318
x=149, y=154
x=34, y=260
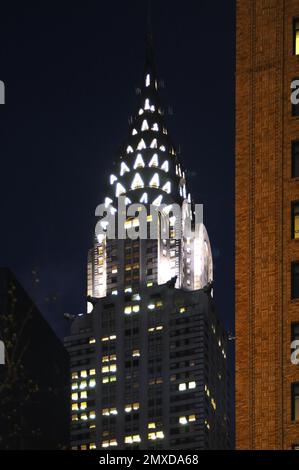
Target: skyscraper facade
x=267, y=250
x=149, y=359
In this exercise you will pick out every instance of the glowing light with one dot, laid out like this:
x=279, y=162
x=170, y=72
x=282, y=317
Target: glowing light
x=155, y=181
x=108, y=201
x=167, y=187
x=120, y=189
x=144, y=126
x=147, y=80
x=154, y=161
x=140, y=112
x=144, y=198
x=155, y=127
x=154, y=144
x=158, y=201
x=130, y=149
x=113, y=178
x=162, y=148
x=134, y=132
x=139, y=162
x=141, y=145
x=124, y=168
x=165, y=166
x=137, y=182
x=147, y=104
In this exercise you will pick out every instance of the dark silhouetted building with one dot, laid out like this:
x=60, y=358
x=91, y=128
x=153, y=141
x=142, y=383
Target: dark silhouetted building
x=34, y=406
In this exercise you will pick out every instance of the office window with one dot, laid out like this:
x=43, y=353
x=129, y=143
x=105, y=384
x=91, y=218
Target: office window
x=295, y=219
x=296, y=36
x=295, y=159
x=295, y=331
x=295, y=401
x=295, y=280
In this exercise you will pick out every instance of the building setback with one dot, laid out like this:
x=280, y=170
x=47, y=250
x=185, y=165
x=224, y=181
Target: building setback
x=149, y=359
x=267, y=250
x=34, y=405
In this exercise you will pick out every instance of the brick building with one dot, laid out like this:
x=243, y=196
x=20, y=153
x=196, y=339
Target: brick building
x=267, y=249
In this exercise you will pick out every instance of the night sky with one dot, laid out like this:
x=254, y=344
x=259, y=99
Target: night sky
x=71, y=70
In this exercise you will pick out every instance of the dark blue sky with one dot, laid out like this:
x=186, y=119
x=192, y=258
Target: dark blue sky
x=70, y=70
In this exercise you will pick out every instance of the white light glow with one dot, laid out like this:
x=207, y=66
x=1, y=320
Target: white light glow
x=144, y=126
x=141, y=145
x=154, y=161
x=120, y=189
x=113, y=178
x=155, y=181
x=137, y=182
x=144, y=198
x=147, y=80
x=162, y=148
x=154, y=144
x=167, y=187
x=130, y=149
x=155, y=127
x=147, y=104
x=139, y=162
x=134, y=132
x=158, y=201
x=165, y=166
x=124, y=168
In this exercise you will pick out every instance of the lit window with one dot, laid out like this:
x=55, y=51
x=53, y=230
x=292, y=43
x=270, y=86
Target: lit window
x=182, y=387
x=140, y=112
x=139, y=162
x=114, y=292
x=114, y=270
x=192, y=385
x=147, y=104
x=183, y=420
x=154, y=161
x=136, y=353
x=296, y=35
x=123, y=169
x=137, y=182
x=75, y=375
x=83, y=373
x=141, y=145
x=92, y=383
x=165, y=166
x=167, y=187
x=155, y=127
x=182, y=309
x=144, y=126
x=74, y=396
x=151, y=425
x=83, y=405
x=128, y=310
x=75, y=418
x=151, y=306
x=147, y=80
x=134, y=132
x=83, y=384
x=75, y=407
x=92, y=446
x=162, y=148
x=83, y=395
x=92, y=341
x=120, y=189
x=295, y=219
x=92, y=415
x=155, y=182
x=74, y=386
x=144, y=198
x=158, y=201
x=113, y=178
x=130, y=149
x=154, y=144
